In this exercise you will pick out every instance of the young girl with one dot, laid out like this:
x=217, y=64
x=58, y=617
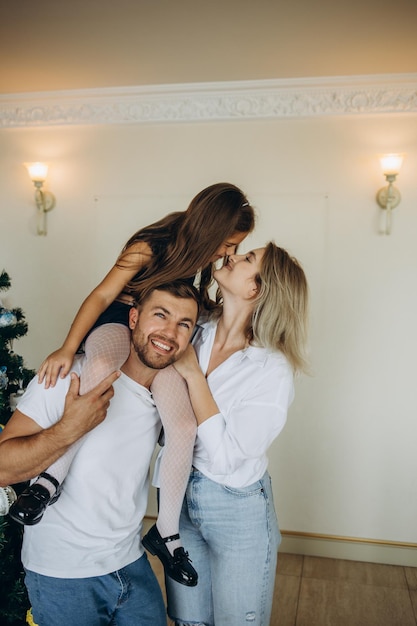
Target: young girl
x=181, y=245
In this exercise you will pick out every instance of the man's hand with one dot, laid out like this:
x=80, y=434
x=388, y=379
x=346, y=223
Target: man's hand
x=27, y=449
x=83, y=413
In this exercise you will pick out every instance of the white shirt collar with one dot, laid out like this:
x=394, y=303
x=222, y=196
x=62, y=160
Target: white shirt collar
x=254, y=353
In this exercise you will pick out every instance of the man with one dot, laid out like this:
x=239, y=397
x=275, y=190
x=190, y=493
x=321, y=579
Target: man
x=85, y=565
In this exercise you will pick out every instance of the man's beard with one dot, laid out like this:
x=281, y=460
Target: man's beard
x=150, y=358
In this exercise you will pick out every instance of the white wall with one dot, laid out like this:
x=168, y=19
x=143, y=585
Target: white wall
x=345, y=464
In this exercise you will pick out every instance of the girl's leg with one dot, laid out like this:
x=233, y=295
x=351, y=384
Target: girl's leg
x=192, y=605
x=106, y=349
x=173, y=403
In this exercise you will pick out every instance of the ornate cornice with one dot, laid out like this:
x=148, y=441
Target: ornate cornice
x=203, y=102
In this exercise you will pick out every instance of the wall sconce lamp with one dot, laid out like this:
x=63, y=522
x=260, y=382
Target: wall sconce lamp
x=389, y=197
x=45, y=200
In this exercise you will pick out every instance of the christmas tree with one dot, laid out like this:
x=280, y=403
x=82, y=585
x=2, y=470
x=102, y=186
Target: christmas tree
x=14, y=377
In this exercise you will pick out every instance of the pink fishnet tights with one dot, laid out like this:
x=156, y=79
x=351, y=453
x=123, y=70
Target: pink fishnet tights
x=106, y=349
x=173, y=402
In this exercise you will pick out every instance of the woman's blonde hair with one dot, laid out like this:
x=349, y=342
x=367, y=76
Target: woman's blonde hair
x=279, y=320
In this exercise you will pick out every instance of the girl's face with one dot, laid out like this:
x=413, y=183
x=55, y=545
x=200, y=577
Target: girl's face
x=228, y=247
x=238, y=275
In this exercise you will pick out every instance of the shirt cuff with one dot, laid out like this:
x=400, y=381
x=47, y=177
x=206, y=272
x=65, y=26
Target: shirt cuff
x=210, y=433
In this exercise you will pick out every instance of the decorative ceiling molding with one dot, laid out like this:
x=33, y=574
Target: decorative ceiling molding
x=203, y=102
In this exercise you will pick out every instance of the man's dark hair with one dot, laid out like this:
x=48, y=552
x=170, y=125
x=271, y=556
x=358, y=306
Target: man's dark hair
x=177, y=288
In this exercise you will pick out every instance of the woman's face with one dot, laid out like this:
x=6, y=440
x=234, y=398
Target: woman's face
x=228, y=247
x=238, y=275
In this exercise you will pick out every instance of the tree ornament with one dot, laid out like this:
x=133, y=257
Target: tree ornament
x=3, y=377
x=29, y=618
x=14, y=399
x=7, y=318
x=7, y=497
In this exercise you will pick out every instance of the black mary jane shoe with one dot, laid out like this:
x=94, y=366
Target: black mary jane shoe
x=32, y=502
x=177, y=566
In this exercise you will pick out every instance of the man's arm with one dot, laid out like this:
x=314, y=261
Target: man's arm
x=26, y=449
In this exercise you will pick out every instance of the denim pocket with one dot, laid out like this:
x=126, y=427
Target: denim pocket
x=254, y=489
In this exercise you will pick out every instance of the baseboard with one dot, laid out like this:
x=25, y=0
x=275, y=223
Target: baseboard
x=350, y=548
x=335, y=547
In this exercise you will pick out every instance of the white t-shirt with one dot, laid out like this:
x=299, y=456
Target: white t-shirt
x=253, y=389
x=94, y=527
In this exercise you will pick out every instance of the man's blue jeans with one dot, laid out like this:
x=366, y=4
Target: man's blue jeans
x=130, y=596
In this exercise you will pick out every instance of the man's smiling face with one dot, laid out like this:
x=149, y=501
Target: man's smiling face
x=162, y=328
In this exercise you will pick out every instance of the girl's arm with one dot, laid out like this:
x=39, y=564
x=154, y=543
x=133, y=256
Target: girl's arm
x=59, y=362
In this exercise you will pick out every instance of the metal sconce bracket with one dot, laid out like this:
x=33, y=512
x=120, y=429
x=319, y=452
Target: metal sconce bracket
x=389, y=197
x=44, y=200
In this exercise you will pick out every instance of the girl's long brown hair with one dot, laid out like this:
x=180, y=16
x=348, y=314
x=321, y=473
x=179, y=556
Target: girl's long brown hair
x=191, y=238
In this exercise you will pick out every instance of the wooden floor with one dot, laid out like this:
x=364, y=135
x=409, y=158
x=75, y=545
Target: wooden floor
x=313, y=591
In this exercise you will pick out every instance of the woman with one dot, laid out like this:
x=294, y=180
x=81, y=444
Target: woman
x=240, y=376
